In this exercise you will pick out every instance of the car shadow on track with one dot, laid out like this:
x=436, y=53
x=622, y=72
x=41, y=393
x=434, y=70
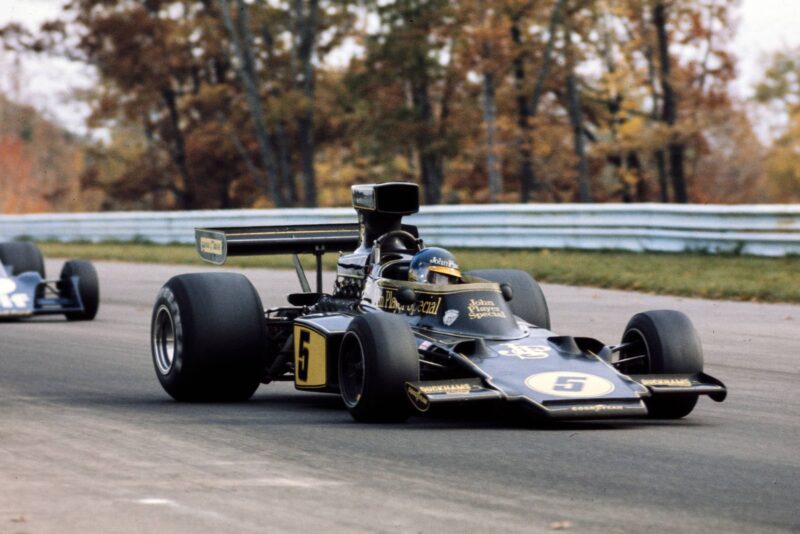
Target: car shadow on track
x=298, y=408
x=475, y=416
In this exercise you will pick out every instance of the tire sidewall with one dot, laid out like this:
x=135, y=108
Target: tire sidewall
x=172, y=380
x=673, y=346
x=88, y=288
x=390, y=359
x=220, y=343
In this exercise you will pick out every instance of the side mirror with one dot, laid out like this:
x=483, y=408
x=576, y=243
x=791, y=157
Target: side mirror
x=507, y=292
x=406, y=296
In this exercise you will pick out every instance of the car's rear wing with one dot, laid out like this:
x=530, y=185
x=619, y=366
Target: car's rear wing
x=215, y=245
x=380, y=209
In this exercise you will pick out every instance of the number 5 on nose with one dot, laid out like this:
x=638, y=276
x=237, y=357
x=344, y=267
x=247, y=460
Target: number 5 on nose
x=569, y=383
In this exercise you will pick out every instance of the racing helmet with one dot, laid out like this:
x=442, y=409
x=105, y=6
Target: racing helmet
x=434, y=266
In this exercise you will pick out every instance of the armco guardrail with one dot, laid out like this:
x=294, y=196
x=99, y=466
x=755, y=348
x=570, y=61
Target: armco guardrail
x=764, y=230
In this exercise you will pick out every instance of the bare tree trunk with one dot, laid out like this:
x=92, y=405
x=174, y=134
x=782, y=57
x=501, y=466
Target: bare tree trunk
x=526, y=111
x=621, y=159
x=281, y=138
x=242, y=44
x=670, y=110
x=307, y=28
x=576, y=121
x=661, y=164
x=444, y=115
x=676, y=153
x=429, y=161
x=152, y=157
x=641, y=184
x=489, y=116
x=177, y=151
x=527, y=179
x=242, y=151
x=544, y=71
x=663, y=183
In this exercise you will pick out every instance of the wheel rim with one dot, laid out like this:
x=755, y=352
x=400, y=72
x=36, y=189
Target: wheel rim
x=638, y=346
x=164, y=340
x=351, y=370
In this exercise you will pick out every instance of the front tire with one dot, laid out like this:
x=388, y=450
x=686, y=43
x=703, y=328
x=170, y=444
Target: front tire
x=670, y=344
x=377, y=357
x=209, y=337
x=528, y=301
x=23, y=256
x=88, y=288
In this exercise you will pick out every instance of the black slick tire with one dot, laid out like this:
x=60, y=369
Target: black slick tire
x=378, y=356
x=22, y=256
x=528, y=300
x=88, y=288
x=671, y=345
x=209, y=337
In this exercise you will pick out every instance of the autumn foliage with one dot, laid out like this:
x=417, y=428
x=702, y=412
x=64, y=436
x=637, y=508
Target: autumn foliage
x=233, y=103
x=40, y=164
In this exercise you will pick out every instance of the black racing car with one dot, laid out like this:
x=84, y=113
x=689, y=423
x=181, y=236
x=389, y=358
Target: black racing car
x=24, y=291
x=389, y=345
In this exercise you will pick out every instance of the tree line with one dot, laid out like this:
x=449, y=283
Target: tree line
x=237, y=103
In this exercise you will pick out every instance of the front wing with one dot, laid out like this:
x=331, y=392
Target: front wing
x=539, y=373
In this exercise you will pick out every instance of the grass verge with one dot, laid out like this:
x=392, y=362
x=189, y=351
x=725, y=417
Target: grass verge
x=694, y=275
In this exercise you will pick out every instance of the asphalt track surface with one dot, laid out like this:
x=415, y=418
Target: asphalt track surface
x=89, y=442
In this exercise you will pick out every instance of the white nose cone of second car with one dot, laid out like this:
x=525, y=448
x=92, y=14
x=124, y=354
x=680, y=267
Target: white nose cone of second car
x=8, y=299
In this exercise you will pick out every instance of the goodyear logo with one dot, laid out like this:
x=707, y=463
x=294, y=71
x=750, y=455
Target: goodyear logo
x=674, y=382
x=598, y=408
x=210, y=245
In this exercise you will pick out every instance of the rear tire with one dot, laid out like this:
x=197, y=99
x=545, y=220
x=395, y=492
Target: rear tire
x=671, y=345
x=88, y=288
x=377, y=357
x=528, y=301
x=22, y=256
x=209, y=337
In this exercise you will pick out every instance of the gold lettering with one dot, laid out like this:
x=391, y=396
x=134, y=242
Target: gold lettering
x=446, y=388
x=417, y=397
x=210, y=246
x=678, y=382
x=482, y=308
x=596, y=408
x=388, y=302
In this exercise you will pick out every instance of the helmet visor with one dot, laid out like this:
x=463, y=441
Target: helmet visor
x=443, y=275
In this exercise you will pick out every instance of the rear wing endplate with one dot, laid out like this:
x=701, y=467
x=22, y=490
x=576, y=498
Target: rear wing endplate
x=215, y=245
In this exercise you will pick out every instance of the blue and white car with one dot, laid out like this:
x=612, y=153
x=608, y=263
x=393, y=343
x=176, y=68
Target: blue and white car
x=24, y=290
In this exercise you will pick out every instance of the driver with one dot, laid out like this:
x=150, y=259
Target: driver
x=434, y=266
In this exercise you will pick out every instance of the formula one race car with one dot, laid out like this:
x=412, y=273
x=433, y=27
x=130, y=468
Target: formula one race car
x=389, y=345
x=25, y=292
